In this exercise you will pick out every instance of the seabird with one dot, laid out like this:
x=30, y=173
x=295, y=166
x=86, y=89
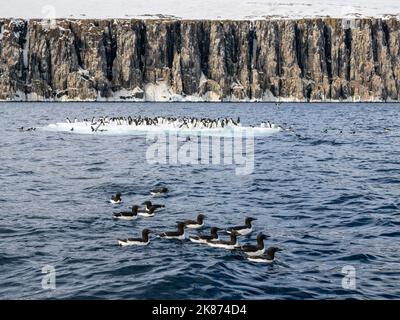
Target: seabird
x=158, y=191
x=143, y=241
x=127, y=215
x=243, y=230
x=147, y=213
x=150, y=206
x=255, y=250
x=180, y=234
x=228, y=245
x=268, y=258
x=195, y=224
x=204, y=238
x=116, y=199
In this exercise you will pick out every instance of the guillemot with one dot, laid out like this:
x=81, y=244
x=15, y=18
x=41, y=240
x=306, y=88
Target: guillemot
x=127, y=215
x=243, y=230
x=268, y=258
x=255, y=250
x=150, y=206
x=116, y=199
x=147, y=213
x=143, y=241
x=158, y=191
x=204, y=238
x=228, y=245
x=180, y=234
x=195, y=224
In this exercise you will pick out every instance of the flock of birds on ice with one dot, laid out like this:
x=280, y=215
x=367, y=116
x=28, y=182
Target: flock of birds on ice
x=253, y=252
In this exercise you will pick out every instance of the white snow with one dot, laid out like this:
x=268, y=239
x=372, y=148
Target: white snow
x=197, y=9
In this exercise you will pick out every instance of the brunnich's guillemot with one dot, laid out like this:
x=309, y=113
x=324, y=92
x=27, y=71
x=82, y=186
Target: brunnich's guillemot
x=150, y=206
x=147, y=213
x=268, y=258
x=116, y=199
x=195, y=224
x=180, y=234
x=228, y=245
x=143, y=241
x=159, y=191
x=204, y=238
x=243, y=230
x=255, y=250
x=127, y=215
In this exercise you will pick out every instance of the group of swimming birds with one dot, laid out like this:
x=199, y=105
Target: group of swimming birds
x=254, y=253
x=171, y=122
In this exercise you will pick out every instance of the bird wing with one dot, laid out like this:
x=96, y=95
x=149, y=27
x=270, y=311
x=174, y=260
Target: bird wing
x=248, y=248
x=186, y=222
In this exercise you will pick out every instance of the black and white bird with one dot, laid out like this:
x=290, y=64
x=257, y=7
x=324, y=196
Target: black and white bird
x=204, y=238
x=116, y=199
x=223, y=244
x=147, y=213
x=149, y=206
x=179, y=234
x=243, y=230
x=159, y=191
x=143, y=241
x=255, y=250
x=195, y=224
x=127, y=215
x=268, y=258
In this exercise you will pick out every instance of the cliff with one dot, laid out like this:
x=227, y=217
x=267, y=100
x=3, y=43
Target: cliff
x=190, y=60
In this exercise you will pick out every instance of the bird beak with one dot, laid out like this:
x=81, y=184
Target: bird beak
x=278, y=249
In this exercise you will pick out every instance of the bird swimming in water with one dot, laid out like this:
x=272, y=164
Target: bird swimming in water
x=150, y=206
x=143, y=241
x=116, y=199
x=159, y=191
x=243, y=230
x=268, y=258
x=195, y=224
x=127, y=215
x=228, y=245
x=147, y=213
x=254, y=250
x=179, y=234
x=204, y=238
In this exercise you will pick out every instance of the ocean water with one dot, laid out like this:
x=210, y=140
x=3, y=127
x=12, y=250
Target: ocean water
x=327, y=194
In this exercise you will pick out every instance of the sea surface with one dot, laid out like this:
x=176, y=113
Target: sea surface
x=327, y=194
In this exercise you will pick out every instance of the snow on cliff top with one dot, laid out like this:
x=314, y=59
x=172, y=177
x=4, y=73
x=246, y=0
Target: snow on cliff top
x=197, y=9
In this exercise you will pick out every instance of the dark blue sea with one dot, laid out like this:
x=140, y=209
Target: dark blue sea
x=328, y=194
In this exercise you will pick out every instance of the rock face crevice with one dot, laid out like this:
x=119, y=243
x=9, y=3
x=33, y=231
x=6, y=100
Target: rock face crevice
x=200, y=60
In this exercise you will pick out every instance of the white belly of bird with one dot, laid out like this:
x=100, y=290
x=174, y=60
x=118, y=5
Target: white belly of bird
x=222, y=245
x=115, y=202
x=146, y=214
x=245, y=232
x=126, y=217
x=195, y=226
x=197, y=240
x=137, y=243
x=256, y=253
x=181, y=237
x=259, y=260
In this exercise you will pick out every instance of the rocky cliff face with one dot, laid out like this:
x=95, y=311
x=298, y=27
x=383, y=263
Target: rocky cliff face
x=265, y=60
